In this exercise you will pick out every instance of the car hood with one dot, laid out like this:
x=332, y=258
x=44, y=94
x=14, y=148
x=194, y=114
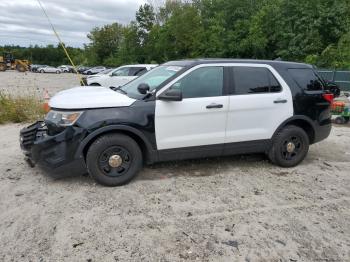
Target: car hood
x=89, y=97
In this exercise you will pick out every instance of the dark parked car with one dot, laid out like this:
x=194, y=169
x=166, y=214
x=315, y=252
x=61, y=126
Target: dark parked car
x=34, y=68
x=82, y=69
x=182, y=110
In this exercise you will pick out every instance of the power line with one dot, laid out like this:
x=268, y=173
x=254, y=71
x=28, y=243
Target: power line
x=60, y=41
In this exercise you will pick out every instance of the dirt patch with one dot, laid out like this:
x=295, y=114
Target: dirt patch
x=221, y=209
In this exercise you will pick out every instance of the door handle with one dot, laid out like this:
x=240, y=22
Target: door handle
x=280, y=101
x=211, y=106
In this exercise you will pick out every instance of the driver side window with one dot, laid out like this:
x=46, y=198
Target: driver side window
x=121, y=72
x=202, y=82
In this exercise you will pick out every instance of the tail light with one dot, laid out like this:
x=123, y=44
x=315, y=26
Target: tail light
x=328, y=97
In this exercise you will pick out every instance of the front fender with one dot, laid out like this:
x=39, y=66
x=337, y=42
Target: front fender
x=113, y=128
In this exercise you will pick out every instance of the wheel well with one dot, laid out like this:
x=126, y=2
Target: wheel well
x=306, y=126
x=95, y=84
x=138, y=140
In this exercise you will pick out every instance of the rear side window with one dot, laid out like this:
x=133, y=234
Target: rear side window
x=252, y=80
x=306, y=79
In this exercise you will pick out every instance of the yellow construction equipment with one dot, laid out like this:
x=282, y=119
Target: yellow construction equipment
x=7, y=61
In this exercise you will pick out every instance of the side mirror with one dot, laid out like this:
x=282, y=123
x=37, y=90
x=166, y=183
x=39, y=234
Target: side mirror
x=171, y=95
x=143, y=88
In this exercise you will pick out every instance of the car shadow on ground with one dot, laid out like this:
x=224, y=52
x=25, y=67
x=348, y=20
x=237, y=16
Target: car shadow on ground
x=193, y=168
x=200, y=167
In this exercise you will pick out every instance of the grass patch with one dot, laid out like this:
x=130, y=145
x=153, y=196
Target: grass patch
x=18, y=109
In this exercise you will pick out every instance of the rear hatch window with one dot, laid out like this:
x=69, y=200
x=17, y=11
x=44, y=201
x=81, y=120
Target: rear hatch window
x=306, y=79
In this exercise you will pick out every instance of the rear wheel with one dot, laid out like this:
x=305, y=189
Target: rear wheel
x=41, y=71
x=58, y=72
x=289, y=146
x=113, y=160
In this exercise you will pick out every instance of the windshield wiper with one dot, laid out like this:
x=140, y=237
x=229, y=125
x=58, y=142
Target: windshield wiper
x=119, y=88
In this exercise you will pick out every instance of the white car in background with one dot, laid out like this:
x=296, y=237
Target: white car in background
x=105, y=72
x=119, y=76
x=94, y=70
x=49, y=69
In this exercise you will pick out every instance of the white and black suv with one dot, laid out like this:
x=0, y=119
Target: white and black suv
x=182, y=110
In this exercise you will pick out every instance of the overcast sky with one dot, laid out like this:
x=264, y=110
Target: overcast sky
x=22, y=22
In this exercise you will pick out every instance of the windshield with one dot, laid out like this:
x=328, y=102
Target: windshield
x=153, y=78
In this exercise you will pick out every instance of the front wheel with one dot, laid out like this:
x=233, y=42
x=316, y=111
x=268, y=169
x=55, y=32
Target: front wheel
x=113, y=160
x=289, y=146
x=41, y=71
x=58, y=72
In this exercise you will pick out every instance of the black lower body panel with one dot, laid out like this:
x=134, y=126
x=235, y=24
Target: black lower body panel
x=322, y=131
x=248, y=147
x=55, y=154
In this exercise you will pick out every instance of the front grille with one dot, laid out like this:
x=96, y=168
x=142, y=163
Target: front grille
x=28, y=135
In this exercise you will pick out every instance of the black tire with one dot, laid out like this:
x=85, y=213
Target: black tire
x=42, y=71
x=20, y=68
x=340, y=120
x=347, y=119
x=99, y=156
x=58, y=72
x=282, y=155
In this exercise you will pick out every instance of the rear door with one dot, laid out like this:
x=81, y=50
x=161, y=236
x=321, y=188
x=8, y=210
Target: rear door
x=200, y=118
x=259, y=101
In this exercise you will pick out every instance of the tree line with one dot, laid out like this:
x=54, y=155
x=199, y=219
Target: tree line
x=312, y=31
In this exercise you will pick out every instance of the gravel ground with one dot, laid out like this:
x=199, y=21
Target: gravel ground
x=222, y=209
x=14, y=82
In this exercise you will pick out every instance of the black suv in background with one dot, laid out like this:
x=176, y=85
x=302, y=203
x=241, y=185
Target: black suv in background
x=182, y=110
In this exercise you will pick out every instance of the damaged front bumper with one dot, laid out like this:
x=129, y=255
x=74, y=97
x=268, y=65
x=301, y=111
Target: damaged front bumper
x=54, y=153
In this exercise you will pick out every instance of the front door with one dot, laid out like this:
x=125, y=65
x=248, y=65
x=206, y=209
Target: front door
x=200, y=118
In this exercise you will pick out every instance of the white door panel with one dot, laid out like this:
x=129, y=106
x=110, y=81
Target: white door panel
x=255, y=117
x=190, y=123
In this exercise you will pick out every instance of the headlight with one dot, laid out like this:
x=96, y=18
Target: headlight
x=61, y=118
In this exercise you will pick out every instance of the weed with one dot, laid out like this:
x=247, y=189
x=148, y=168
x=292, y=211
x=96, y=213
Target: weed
x=18, y=109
